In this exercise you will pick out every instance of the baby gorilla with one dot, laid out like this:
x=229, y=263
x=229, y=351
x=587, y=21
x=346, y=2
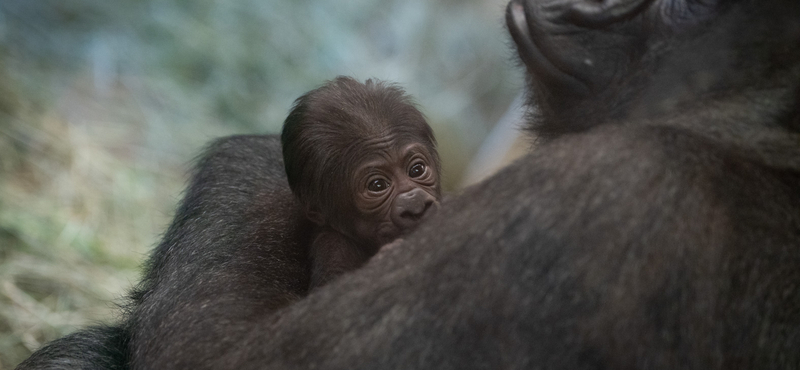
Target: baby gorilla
x=362, y=161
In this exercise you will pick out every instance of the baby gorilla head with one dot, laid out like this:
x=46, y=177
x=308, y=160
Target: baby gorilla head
x=362, y=160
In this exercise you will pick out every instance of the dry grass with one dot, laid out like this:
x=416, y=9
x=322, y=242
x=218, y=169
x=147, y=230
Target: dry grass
x=80, y=206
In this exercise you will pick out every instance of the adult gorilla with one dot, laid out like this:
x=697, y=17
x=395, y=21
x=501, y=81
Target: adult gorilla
x=657, y=226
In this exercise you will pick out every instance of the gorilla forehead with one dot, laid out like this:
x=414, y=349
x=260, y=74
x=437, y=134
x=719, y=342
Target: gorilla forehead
x=343, y=113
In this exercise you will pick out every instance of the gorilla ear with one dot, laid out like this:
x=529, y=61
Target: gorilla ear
x=313, y=214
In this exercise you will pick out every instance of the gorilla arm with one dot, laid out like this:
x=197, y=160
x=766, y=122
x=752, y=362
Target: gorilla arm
x=235, y=251
x=544, y=264
x=337, y=255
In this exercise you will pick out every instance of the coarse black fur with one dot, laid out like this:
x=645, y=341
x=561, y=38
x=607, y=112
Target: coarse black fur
x=95, y=348
x=663, y=233
x=237, y=238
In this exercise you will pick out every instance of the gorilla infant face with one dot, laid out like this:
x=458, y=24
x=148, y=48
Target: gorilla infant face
x=362, y=160
x=393, y=187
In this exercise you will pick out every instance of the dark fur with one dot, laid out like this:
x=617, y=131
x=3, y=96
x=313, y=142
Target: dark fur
x=332, y=254
x=663, y=235
x=234, y=253
x=96, y=348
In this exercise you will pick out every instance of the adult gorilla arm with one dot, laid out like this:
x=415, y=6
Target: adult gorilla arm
x=235, y=251
x=644, y=266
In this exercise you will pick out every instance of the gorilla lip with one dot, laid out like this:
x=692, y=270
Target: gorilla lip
x=600, y=14
x=533, y=56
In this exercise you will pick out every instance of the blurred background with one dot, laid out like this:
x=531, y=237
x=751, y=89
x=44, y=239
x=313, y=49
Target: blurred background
x=104, y=104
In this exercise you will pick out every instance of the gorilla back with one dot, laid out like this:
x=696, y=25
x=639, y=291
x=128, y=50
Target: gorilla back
x=656, y=226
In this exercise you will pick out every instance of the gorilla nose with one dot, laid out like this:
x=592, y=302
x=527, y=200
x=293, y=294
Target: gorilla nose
x=409, y=207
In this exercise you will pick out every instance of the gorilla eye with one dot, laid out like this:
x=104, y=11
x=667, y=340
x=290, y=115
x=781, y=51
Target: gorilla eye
x=378, y=185
x=416, y=170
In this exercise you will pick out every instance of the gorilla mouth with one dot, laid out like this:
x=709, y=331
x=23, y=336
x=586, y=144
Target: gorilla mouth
x=548, y=59
x=542, y=66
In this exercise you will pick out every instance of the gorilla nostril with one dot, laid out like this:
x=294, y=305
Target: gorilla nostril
x=409, y=215
x=418, y=212
x=428, y=205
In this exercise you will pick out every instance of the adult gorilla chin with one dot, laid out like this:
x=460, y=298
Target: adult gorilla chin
x=656, y=226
